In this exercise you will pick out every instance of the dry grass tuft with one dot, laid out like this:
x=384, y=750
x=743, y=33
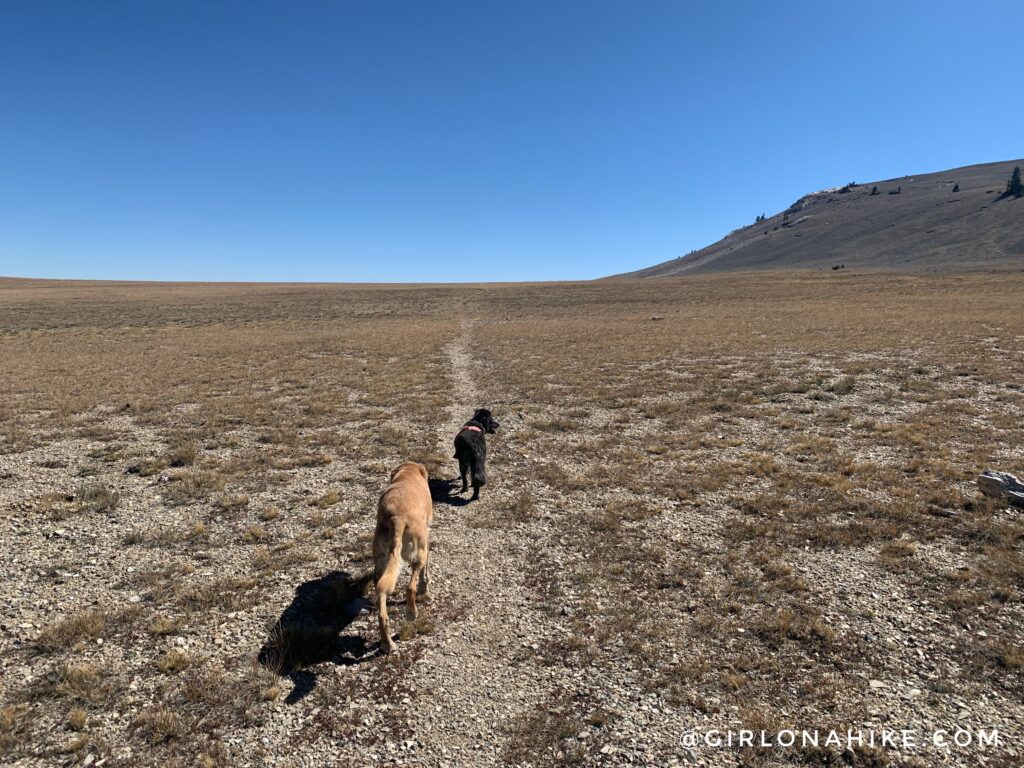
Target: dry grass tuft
x=421, y=625
x=173, y=662
x=78, y=719
x=1011, y=657
x=159, y=725
x=67, y=632
x=14, y=728
x=84, y=683
x=193, y=484
x=161, y=626
x=329, y=499
x=181, y=452
x=254, y=534
x=843, y=385
x=523, y=508
x=231, y=502
x=96, y=497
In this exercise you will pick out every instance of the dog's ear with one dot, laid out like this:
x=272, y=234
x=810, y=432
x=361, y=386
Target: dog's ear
x=423, y=471
x=400, y=467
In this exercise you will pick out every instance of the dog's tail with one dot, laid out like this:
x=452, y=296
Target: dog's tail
x=479, y=475
x=387, y=578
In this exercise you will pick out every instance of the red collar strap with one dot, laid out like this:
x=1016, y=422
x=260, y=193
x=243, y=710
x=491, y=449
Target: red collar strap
x=471, y=428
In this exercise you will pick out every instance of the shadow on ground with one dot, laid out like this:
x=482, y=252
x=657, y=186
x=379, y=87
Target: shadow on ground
x=309, y=631
x=441, y=492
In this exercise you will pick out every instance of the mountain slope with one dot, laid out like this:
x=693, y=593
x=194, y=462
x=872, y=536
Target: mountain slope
x=925, y=227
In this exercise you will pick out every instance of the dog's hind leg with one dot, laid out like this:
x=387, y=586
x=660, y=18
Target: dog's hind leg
x=424, y=585
x=387, y=645
x=410, y=599
x=387, y=546
x=464, y=472
x=479, y=479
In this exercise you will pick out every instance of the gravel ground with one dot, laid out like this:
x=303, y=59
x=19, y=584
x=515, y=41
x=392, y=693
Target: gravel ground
x=604, y=603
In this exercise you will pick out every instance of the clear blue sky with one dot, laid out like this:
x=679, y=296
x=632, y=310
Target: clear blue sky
x=431, y=140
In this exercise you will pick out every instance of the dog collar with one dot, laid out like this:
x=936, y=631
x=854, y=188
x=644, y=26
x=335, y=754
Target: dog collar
x=470, y=428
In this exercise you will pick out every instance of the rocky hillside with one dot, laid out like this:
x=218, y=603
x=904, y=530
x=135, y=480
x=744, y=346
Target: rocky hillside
x=948, y=221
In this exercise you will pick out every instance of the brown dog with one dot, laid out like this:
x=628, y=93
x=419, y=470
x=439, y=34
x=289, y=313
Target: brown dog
x=404, y=513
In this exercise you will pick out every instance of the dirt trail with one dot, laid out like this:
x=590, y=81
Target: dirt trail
x=471, y=679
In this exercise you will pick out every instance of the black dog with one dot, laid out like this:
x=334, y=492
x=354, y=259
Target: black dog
x=471, y=449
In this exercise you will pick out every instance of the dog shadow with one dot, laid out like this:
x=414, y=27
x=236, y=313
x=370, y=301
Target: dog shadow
x=441, y=492
x=309, y=631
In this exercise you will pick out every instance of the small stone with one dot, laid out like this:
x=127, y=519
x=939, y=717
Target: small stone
x=876, y=684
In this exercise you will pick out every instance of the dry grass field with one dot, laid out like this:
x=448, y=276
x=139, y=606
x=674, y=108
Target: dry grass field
x=726, y=502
